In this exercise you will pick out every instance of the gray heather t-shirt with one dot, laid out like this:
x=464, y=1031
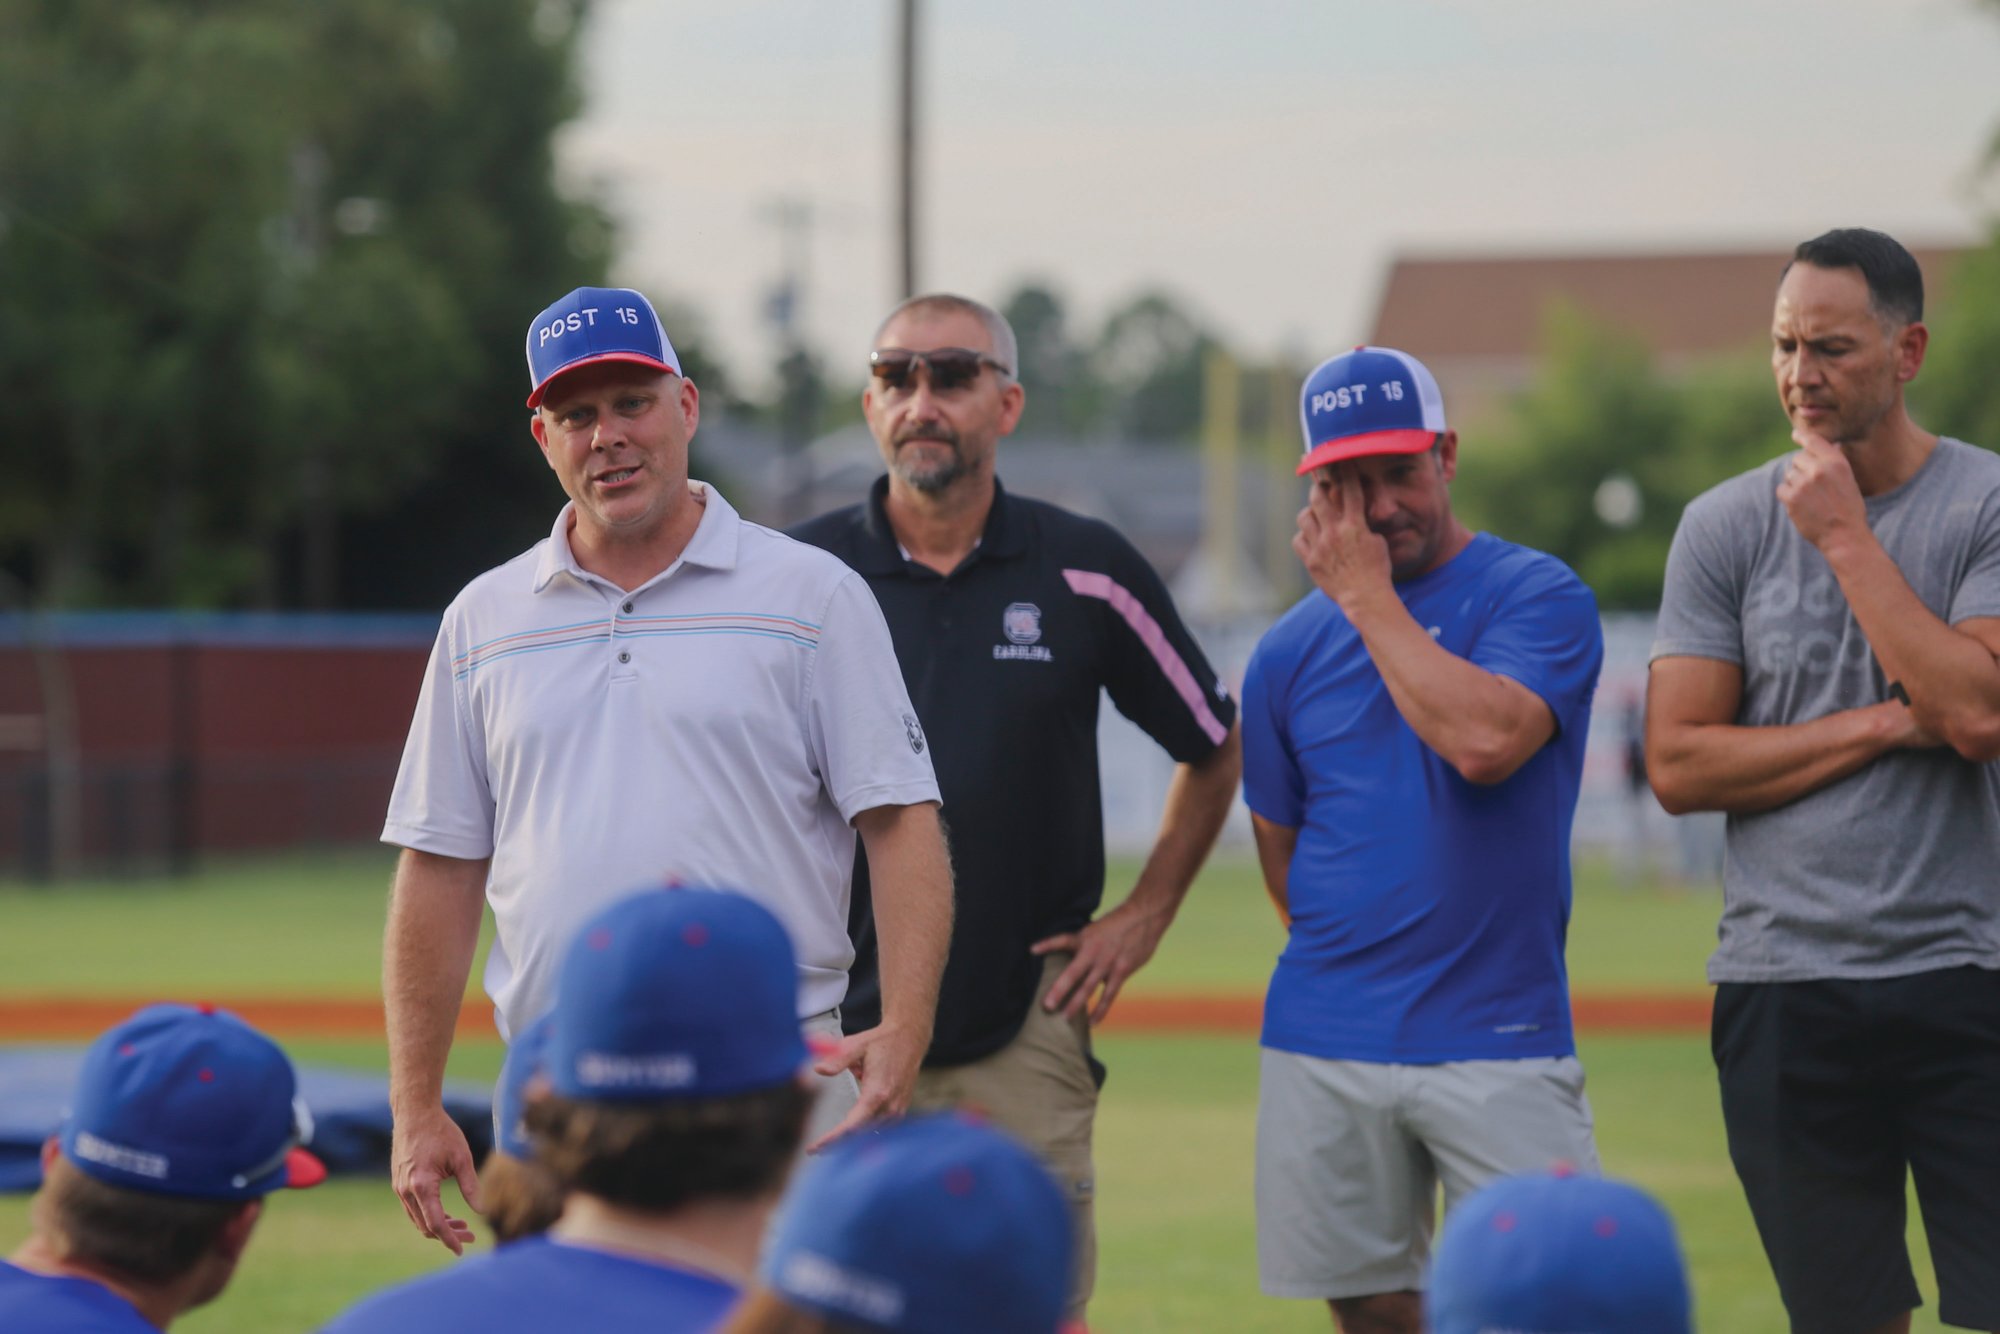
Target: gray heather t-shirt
x=1894, y=869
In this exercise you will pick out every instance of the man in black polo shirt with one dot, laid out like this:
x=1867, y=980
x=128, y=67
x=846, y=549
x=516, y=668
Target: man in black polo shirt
x=1009, y=615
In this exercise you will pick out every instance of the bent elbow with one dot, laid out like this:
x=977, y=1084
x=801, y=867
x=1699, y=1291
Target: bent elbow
x=1671, y=788
x=1976, y=739
x=1971, y=731
x=1488, y=766
x=1673, y=800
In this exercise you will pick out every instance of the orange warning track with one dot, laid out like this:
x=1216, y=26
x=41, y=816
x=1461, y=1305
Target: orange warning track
x=348, y=1019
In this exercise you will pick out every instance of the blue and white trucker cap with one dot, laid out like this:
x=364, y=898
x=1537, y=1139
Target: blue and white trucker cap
x=1559, y=1254
x=190, y=1100
x=1373, y=400
x=510, y=1096
x=595, y=324
x=931, y=1225
x=676, y=993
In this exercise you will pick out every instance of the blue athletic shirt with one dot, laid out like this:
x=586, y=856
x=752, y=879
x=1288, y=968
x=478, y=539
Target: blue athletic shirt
x=1428, y=913
x=537, y=1285
x=55, y=1304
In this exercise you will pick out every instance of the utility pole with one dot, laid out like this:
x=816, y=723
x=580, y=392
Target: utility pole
x=801, y=391
x=906, y=147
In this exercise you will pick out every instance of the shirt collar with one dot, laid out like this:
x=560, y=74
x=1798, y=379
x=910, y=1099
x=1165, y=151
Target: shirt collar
x=878, y=553
x=713, y=545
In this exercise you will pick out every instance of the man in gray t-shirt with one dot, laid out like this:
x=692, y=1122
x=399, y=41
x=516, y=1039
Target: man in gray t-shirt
x=1825, y=672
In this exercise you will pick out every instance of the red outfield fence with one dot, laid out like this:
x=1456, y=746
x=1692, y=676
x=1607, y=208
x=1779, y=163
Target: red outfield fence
x=140, y=741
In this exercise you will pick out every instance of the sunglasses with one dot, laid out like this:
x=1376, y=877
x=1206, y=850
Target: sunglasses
x=949, y=368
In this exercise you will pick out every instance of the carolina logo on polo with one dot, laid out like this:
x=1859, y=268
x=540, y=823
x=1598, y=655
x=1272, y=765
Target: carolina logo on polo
x=1022, y=621
x=913, y=732
x=1022, y=624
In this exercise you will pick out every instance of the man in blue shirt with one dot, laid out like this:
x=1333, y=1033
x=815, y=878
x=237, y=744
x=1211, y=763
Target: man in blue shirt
x=183, y=1119
x=675, y=1101
x=1413, y=736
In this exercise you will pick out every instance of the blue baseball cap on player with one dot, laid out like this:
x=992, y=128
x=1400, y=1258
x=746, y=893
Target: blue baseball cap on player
x=510, y=1096
x=190, y=1100
x=595, y=324
x=932, y=1225
x=1549, y=1252
x=676, y=993
x=1373, y=400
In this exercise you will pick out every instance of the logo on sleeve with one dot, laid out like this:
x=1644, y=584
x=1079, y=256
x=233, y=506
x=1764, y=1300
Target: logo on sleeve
x=913, y=732
x=1022, y=624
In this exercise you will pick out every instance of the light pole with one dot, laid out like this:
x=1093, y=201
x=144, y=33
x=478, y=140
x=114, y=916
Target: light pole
x=906, y=147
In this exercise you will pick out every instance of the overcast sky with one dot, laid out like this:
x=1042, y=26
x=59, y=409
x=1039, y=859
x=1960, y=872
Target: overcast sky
x=1263, y=160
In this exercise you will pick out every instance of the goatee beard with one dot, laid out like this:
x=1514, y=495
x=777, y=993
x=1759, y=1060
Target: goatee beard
x=936, y=478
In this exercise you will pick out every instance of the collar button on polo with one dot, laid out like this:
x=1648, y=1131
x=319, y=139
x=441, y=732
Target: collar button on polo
x=627, y=609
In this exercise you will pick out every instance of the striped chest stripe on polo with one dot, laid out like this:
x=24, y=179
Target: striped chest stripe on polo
x=1089, y=584
x=803, y=633
x=759, y=625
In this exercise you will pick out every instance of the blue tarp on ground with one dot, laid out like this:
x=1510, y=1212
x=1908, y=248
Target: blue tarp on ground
x=350, y=1113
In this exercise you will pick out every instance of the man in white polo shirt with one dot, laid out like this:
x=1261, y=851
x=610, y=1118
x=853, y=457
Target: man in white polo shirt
x=657, y=692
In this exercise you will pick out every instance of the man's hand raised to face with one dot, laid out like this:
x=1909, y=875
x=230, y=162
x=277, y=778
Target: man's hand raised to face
x=1345, y=558
x=1820, y=493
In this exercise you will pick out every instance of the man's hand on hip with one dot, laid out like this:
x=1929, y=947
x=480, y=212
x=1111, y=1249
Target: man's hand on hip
x=427, y=1148
x=885, y=1059
x=1108, y=951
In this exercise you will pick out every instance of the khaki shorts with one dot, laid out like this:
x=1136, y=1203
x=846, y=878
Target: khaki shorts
x=1039, y=1088
x=1350, y=1155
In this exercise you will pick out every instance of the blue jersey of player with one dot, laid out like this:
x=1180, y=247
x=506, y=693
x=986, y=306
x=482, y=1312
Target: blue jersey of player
x=1428, y=913
x=538, y=1285
x=52, y=1304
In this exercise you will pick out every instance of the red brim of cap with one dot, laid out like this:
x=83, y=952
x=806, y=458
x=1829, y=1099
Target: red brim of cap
x=636, y=358
x=1362, y=446
x=302, y=1170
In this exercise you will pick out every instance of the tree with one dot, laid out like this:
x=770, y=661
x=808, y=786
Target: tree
x=1595, y=461
x=1149, y=358
x=267, y=270
x=1957, y=392
x=1063, y=394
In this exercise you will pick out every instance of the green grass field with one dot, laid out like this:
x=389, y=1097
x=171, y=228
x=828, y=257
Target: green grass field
x=313, y=927
x=1175, y=1132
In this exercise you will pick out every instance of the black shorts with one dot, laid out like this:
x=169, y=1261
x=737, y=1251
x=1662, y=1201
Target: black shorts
x=1830, y=1091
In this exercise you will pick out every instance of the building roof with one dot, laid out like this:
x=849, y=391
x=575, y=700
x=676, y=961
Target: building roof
x=1493, y=306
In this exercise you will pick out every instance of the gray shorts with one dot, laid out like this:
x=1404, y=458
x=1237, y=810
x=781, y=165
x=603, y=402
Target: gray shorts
x=1350, y=1155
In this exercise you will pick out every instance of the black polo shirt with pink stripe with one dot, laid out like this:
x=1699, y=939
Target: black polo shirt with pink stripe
x=1004, y=659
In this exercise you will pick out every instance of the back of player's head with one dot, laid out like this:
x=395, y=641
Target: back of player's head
x=518, y=1194
x=146, y=1238
x=180, y=1117
x=674, y=1055
x=1895, y=280
x=934, y=1225
x=1552, y=1252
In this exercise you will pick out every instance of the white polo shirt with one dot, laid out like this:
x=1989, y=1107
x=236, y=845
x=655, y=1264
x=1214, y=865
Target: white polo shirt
x=721, y=725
